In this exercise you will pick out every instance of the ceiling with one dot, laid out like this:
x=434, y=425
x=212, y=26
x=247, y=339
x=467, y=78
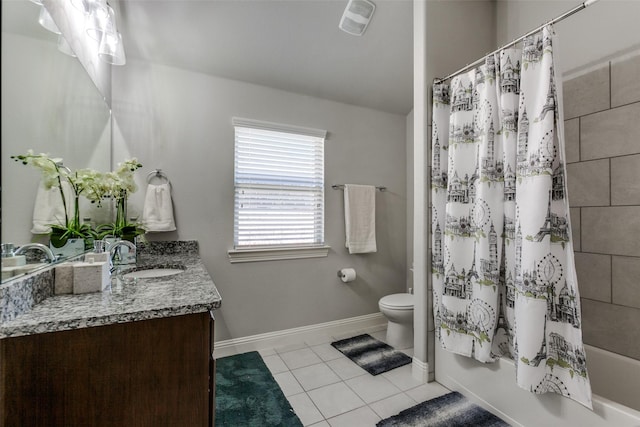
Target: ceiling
x=293, y=45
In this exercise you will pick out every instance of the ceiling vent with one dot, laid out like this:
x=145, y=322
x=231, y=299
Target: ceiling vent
x=356, y=16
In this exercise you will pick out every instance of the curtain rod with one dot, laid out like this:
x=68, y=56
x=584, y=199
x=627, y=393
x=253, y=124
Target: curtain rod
x=567, y=14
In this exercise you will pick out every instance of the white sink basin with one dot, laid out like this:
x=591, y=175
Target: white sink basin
x=153, y=272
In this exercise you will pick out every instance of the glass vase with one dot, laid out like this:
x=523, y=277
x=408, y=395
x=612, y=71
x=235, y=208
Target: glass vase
x=121, y=216
x=122, y=228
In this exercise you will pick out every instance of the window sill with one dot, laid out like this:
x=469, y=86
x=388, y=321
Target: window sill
x=273, y=254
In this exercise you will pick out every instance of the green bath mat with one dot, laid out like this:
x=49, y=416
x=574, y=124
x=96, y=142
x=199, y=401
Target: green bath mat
x=247, y=395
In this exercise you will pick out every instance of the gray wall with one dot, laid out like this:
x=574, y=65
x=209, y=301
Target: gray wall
x=602, y=127
x=180, y=121
x=594, y=34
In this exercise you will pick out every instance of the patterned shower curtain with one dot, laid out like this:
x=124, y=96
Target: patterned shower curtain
x=504, y=279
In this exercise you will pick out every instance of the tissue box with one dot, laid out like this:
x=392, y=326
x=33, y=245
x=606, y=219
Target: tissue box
x=14, y=261
x=63, y=279
x=90, y=277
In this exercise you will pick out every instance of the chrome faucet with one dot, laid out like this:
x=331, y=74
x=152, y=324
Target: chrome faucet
x=116, y=257
x=48, y=252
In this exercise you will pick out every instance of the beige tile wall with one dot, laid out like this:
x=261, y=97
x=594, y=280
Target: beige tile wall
x=602, y=130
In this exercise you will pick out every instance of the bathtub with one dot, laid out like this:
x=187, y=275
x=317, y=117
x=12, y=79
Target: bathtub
x=615, y=382
x=614, y=377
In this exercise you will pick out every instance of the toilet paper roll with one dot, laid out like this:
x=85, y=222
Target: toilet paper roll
x=347, y=275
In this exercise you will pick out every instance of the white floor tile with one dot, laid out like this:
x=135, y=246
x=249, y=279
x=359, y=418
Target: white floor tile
x=300, y=358
x=345, y=368
x=349, y=334
x=267, y=352
x=327, y=352
x=290, y=347
x=275, y=364
x=339, y=392
x=335, y=399
x=361, y=417
x=402, y=378
x=408, y=351
x=376, y=328
x=371, y=389
x=288, y=383
x=219, y=353
x=391, y=406
x=305, y=409
x=314, y=376
x=380, y=335
x=319, y=339
x=427, y=391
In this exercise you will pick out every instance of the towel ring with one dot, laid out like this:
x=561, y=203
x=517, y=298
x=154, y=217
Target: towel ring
x=157, y=173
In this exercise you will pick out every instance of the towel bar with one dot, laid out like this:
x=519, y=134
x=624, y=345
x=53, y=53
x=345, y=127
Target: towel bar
x=341, y=187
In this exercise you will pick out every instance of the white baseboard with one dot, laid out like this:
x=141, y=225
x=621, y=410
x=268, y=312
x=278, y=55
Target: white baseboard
x=317, y=333
x=420, y=370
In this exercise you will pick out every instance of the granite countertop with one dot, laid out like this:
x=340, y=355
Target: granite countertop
x=191, y=291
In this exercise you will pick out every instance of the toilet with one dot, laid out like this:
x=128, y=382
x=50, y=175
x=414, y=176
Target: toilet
x=398, y=309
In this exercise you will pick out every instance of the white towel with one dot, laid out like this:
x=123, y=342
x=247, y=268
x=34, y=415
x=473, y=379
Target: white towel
x=48, y=208
x=157, y=214
x=360, y=218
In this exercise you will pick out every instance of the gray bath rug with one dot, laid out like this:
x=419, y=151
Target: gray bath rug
x=449, y=410
x=370, y=354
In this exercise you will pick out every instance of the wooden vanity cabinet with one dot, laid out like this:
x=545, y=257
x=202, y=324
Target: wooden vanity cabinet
x=157, y=372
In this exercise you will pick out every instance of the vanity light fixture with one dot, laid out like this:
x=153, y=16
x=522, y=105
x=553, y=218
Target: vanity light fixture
x=111, y=50
x=47, y=21
x=83, y=5
x=99, y=23
x=356, y=17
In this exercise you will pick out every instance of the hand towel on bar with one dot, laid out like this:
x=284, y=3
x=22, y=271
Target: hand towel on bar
x=360, y=218
x=157, y=213
x=48, y=208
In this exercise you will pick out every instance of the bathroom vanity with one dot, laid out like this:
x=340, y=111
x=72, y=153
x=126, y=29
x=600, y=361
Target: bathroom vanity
x=139, y=357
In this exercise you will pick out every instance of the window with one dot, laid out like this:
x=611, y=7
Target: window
x=279, y=192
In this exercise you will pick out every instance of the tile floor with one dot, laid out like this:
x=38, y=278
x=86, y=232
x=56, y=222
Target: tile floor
x=325, y=388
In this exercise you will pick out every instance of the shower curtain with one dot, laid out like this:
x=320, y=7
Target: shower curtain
x=504, y=279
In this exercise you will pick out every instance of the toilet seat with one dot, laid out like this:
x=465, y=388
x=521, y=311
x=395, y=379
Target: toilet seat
x=397, y=302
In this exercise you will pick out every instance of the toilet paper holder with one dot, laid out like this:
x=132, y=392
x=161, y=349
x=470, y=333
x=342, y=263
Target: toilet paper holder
x=347, y=274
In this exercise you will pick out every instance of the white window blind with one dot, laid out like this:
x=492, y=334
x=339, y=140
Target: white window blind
x=279, y=185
